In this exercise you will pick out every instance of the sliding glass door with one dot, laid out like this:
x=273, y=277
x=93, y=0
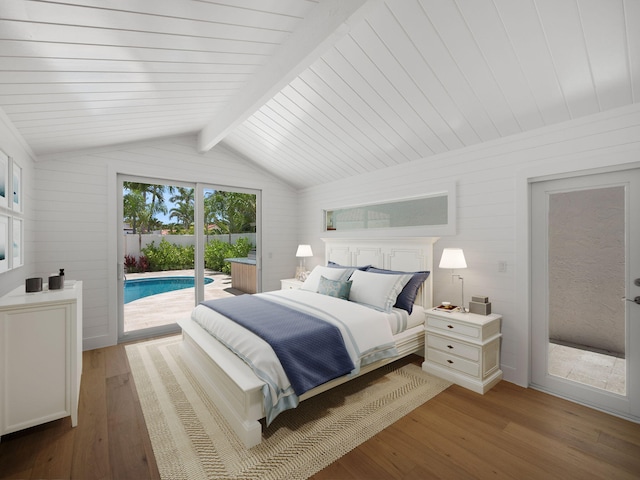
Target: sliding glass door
x=165, y=264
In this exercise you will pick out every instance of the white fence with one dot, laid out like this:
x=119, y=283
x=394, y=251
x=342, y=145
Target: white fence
x=134, y=242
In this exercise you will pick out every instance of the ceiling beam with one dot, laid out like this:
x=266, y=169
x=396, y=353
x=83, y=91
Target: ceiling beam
x=327, y=23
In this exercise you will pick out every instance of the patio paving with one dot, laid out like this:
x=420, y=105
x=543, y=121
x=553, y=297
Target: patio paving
x=167, y=308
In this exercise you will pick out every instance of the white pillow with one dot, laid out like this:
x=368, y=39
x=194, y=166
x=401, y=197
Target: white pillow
x=313, y=280
x=376, y=290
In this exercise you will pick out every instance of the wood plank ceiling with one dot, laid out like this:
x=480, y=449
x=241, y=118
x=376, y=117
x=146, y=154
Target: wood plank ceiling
x=311, y=91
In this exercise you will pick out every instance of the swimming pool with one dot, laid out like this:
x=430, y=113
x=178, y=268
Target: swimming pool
x=145, y=287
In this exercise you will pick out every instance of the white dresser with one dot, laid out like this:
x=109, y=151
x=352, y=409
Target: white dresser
x=463, y=348
x=40, y=356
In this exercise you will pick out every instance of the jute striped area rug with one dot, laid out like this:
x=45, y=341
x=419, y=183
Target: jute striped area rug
x=191, y=440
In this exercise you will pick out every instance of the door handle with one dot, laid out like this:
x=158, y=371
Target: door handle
x=635, y=300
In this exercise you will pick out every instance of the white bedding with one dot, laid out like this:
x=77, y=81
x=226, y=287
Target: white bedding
x=400, y=320
x=368, y=336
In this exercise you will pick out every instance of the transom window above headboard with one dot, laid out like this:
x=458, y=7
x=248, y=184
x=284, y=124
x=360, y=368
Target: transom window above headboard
x=433, y=214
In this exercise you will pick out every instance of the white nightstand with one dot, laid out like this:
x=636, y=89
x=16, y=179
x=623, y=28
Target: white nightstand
x=290, y=284
x=463, y=348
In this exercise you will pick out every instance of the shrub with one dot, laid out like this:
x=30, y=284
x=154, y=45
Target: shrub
x=133, y=265
x=168, y=256
x=143, y=264
x=216, y=251
x=130, y=264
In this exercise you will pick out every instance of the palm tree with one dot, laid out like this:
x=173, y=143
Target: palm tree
x=232, y=212
x=157, y=201
x=183, y=212
x=154, y=203
x=133, y=204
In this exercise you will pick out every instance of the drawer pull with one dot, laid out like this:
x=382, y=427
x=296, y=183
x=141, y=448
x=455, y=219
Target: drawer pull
x=449, y=326
x=449, y=361
x=450, y=347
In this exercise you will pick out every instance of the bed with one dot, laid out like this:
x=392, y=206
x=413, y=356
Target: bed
x=240, y=394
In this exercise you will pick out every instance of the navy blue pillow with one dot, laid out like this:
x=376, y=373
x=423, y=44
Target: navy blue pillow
x=337, y=265
x=407, y=296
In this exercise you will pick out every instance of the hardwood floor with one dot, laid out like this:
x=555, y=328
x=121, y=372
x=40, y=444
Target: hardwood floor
x=510, y=432
x=110, y=441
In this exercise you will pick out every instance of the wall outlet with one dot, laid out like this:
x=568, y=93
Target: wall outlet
x=502, y=266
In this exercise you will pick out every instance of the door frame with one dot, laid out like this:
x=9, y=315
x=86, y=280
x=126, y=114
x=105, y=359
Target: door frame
x=576, y=165
x=200, y=236
x=145, y=332
x=620, y=404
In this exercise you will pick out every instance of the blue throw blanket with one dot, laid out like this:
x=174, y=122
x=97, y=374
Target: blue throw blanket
x=311, y=351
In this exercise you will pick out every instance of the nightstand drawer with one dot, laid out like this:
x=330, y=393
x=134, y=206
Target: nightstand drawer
x=454, y=363
x=290, y=284
x=453, y=327
x=460, y=349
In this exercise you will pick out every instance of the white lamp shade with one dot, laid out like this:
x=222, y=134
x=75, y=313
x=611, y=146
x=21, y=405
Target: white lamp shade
x=304, y=251
x=453, y=258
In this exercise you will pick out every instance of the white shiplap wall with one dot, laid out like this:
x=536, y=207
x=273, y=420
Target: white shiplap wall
x=75, y=199
x=11, y=143
x=492, y=210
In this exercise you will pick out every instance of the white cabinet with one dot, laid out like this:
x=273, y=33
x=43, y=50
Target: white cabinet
x=40, y=356
x=290, y=284
x=463, y=348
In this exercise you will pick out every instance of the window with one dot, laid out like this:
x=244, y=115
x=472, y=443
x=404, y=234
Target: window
x=429, y=215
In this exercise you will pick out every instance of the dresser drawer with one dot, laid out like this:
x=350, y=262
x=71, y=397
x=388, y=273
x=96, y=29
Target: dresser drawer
x=452, y=326
x=454, y=363
x=447, y=345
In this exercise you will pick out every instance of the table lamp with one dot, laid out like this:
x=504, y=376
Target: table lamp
x=454, y=258
x=303, y=252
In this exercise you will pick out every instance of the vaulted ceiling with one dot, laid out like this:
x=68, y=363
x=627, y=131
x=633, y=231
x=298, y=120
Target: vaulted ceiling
x=311, y=91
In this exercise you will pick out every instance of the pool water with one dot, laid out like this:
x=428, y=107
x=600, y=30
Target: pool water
x=145, y=287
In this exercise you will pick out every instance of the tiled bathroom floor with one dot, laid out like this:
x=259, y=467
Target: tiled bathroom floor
x=595, y=369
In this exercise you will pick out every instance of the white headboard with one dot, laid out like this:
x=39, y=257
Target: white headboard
x=405, y=254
